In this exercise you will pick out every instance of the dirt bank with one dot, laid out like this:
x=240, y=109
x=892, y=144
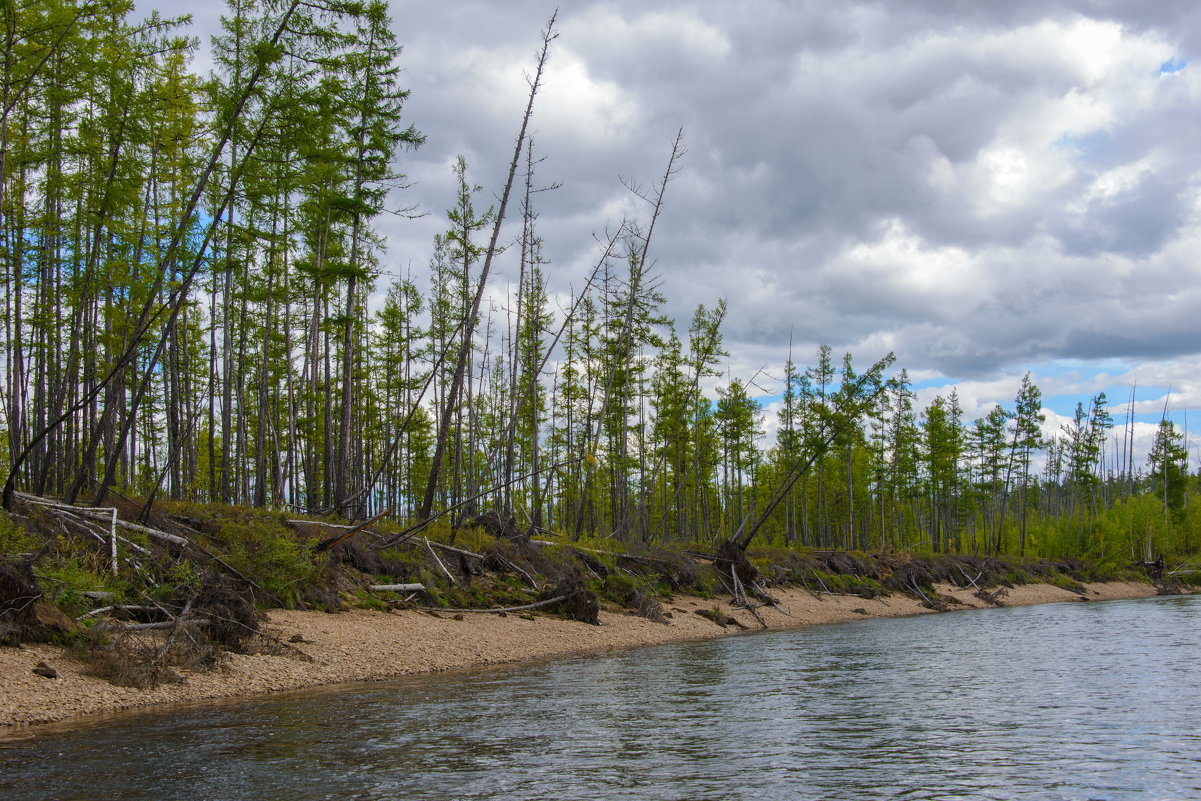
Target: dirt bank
x=364, y=645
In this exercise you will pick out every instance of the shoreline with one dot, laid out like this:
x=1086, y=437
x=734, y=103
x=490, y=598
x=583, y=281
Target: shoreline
x=363, y=645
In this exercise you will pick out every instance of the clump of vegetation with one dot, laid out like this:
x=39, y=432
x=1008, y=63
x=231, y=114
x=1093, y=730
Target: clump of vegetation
x=17, y=540
x=1066, y=583
x=633, y=592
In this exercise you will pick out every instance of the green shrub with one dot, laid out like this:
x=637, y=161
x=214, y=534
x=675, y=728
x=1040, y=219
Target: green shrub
x=267, y=555
x=67, y=578
x=16, y=538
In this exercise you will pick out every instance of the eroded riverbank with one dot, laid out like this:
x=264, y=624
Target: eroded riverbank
x=364, y=645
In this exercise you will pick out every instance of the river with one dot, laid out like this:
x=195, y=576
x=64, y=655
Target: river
x=1067, y=701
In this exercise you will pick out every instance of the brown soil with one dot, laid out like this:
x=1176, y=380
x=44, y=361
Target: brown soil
x=364, y=645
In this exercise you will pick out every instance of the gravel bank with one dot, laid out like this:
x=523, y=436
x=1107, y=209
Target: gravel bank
x=363, y=645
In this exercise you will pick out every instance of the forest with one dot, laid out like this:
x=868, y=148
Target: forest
x=198, y=305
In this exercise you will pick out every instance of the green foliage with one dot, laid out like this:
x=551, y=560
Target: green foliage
x=16, y=538
x=184, y=574
x=270, y=556
x=72, y=572
x=845, y=584
x=366, y=600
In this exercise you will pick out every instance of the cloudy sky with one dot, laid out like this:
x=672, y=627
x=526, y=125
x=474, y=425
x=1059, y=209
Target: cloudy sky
x=982, y=188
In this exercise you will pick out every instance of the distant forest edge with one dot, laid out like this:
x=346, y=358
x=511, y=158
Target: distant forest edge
x=193, y=309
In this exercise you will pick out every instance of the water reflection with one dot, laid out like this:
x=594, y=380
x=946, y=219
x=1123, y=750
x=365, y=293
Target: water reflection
x=1059, y=702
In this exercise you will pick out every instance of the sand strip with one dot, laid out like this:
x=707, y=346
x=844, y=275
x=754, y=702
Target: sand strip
x=364, y=645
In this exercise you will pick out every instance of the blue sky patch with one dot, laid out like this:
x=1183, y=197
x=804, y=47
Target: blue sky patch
x=1084, y=144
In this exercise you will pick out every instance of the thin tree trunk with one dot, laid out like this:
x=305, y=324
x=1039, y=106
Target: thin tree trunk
x=427, y=503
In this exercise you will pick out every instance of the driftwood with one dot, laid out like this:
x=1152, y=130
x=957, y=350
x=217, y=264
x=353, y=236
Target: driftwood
x=108, y=538
x=993, y=597
x=1184, y=567
x=536, y=605
x=509, y=564
x=85, y=525
x=677, y=574
x=154, y=533
x=106, y=516
x=79, y=513
x=296, y=523
x=548, y=543
x=754, y=610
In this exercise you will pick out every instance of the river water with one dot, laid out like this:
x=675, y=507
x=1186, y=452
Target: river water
x=1068, y=701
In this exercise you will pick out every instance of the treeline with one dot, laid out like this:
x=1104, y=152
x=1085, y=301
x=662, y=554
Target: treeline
x=195, y=306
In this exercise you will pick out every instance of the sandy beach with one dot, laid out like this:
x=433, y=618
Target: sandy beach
x=366, y=645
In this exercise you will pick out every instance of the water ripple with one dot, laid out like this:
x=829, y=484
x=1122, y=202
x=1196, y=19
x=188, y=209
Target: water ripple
x=1073, y=701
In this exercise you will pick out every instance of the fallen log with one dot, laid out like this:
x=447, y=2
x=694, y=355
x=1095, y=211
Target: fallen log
x=63, y=511
x=117, y=607
x=325, y=545
x=450, y=577
x=932, y=603
x=106, y=516
x=536, y=605
x=165, y=624
x=396, y=587
x=969, y=578
x=451, y=549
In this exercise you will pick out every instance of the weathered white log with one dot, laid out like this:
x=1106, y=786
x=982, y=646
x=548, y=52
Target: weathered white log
x=434, y=554
x=86, y=525
x=506, y=610
x=106, y=515
x=150, y=532
x=154, y=532
x=80, y=522
x=121, y=607
x=112, y=540
x=166, y=624
x=350, y=532
x=396, y=587
x=574, y=547
x=451, y=549
x=316, y=523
